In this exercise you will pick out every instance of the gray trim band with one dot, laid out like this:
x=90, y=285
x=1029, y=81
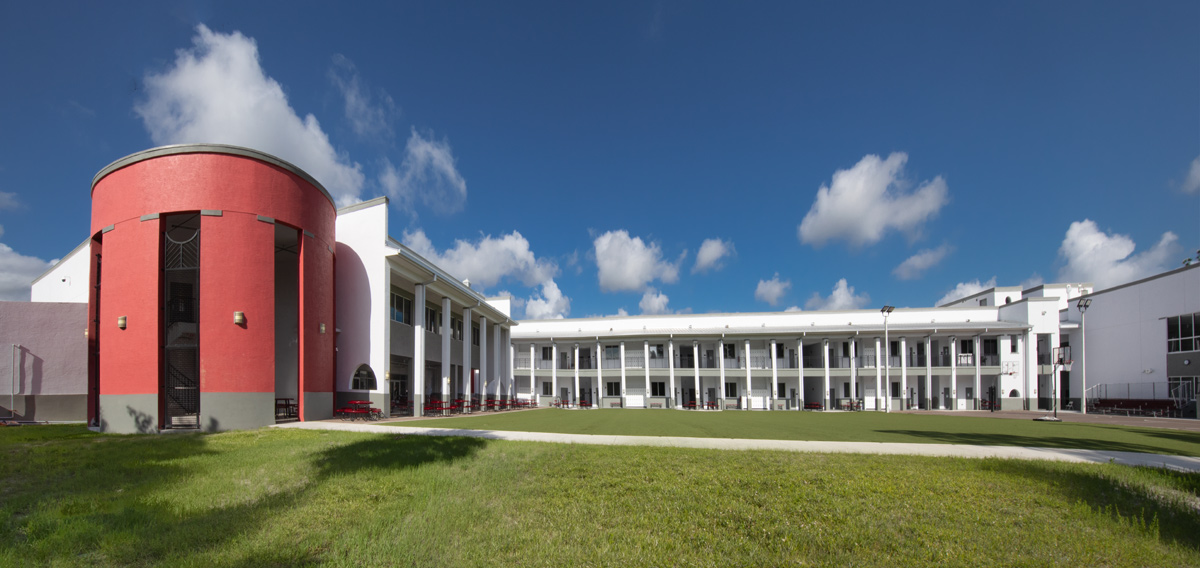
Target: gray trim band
x=308, y=233
x=224, y=149
x=212, y=212
x=266, y=219
x=107, y=229
x=149, y=216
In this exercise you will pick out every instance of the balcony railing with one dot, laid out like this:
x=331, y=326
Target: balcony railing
x=785, y=362
x=587, y=363
x=866, y=361
x=565, y=365
x=707, y=362
x=966, y=360
x=839, y=362
x=916, y=360
x=992, y=360
x=814, y=362
x=942, y=360
x=1043, y=358
x=545, y=364
x=520, y=362
x=612, y=363
x=733, y=364
x=686, y=362
x=760, y=362
x=658, y=362
x=634, y=361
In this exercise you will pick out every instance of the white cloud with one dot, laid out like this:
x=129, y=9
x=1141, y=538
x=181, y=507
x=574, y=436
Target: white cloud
x=427, y=176
x=17, y=272
x=770, y=291
x=1192, y=183
x=621, y=312
x=217, y=92
x=367, y=118
x=842, y=298
x=711, y=253
x=8, y=200
x=628, y=263
x=551, y=304
x=1108, y=260
x=964, y=289
x=487, y=261
x=793, y=309
x=866, y=201
x=913, y=267
x=1034, y=279
x=654, y=303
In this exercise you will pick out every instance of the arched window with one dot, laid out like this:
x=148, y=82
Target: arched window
x=1014, y=394
x=364, y=378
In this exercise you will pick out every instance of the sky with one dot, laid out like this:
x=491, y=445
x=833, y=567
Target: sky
x=607, y=158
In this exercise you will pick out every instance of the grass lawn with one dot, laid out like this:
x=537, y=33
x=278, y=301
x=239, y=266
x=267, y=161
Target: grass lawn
x=832, y=426
x=293, y=498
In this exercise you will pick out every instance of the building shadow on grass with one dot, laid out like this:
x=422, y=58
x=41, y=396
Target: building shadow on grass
x=394, y=451
x=1064, y=442
x=1177, y=515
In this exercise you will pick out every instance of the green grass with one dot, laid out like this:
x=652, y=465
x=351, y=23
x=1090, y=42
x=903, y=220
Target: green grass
x=293, y=498
x=832, y=426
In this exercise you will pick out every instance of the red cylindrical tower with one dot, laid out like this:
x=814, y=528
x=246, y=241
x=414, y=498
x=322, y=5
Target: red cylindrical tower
x=212, y=302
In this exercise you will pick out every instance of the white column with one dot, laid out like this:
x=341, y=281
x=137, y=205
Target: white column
x=774, y=374
x=671, y=373
x=825, y=383
x=746, y=364
x=575, y=365
x=903, y=373
x=720, y=365
x=418, y=360
x=928, y=373
x=445, y=349
x=696, y=367
x=953, y=405
x=878, y=376
x=646, y=368
x=483, y=360
x=506, y=359
x=800, y=382
x=978, y=364
x=467, y=341
x=533, y=375
x=553, y=370
x=1032, y=368
x=854, y=369
x=599, y=375
x=622, y=374
x=497, y=356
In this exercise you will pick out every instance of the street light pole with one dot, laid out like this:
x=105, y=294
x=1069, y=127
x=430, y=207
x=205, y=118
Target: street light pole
x=1083, y=305
x=887, y=360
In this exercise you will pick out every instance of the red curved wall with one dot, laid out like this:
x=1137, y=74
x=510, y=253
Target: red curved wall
x=237, y=264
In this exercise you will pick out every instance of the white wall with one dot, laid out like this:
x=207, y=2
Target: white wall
x=66, y=281
x=363, y=293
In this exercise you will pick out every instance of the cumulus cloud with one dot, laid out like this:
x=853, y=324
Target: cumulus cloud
x=1107, y=260
x=866, y=201
x=964, y=289
x=367, y=117
x=621, y=312
x=842, y=298
x=17, y=272
x=8, y=200
x=793, y=309
x=916, y=265
x=1034, y=279
x=711, y=254
x=427, y=176
x=550, y=304
x=629, y=264
x=1191, y=184
x=654, y=303
x=770, y=291
x=488, y=260
x=217, y=92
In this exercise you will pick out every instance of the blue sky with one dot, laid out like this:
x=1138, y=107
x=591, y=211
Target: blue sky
x=649, y=157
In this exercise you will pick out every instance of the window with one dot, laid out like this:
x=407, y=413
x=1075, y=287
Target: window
x=983, y=301
x=401, y=307
x=364, y=379
x=1182, y=333
x=456, y=328
x=547, y=353
x=612, y=352
x=966, y=346
x=658, y=389
x=970, y=393
x=845, y=390
x=687, y=357
x=433, y=320
x=475, y=335
x=547, y=389
x=782, y=391
x=730, y=351
x=656, y=351
x=612, y=389
x=780, y=351
x=991, y=346
x=895, y=389
x=731, y=390
x=1012, y=343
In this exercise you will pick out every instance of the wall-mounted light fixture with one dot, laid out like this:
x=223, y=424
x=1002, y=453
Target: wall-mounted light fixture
x=322, y=328
x=121, y=322
x=239, y=318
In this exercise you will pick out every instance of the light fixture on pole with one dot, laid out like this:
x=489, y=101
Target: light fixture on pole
x=1083, y=305
x=887, y=359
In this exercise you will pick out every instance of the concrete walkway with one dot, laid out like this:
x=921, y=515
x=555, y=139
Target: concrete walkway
x=1179, y=463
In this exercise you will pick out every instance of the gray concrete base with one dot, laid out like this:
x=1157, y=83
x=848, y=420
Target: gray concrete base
x=319, y=405
x=44, y=407
x=236, y=410
x=129, y=413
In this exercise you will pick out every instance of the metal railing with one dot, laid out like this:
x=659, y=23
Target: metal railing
x=865, y=361
x=991, y=360
x=733, y=364
x=814, y=362
x=587, y=363
x=545, y=364
x=520, y=362
x=760, y=362
x=611, y=363
x=916, y=360
x=565, y=365
x=965, y=360
x=634, y=361
x=659, y=362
